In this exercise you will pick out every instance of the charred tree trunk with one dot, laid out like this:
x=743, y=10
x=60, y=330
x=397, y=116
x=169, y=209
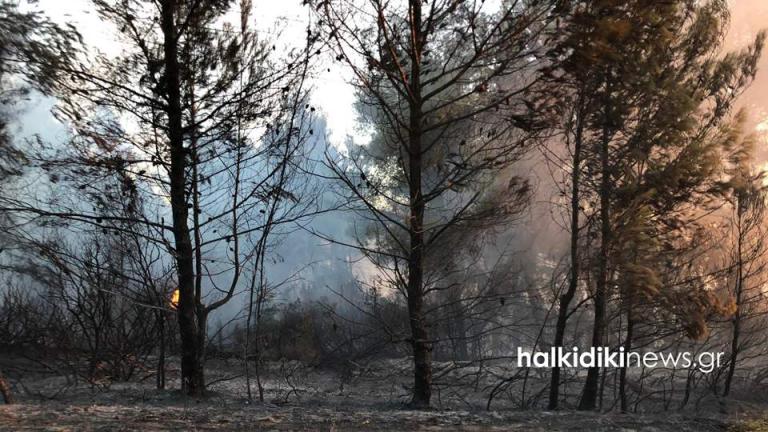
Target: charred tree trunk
x=257, y=278
x=591, y=386
x=627, y=348
x=567, y=297
x=461, y=352
x=192, y=378
x=422, y=389
x=161, y=356
x=422, y=350
x=739, y=289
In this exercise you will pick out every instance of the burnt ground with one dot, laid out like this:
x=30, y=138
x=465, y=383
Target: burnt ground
x=214, y=416
x=307, y=399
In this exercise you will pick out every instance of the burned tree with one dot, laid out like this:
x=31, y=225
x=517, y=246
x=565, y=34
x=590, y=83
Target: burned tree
x=204, y=120
x=746, y=196
x=443, y=86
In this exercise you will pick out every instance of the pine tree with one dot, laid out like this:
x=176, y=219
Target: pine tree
x=204, y=120
x=746, y=195
x=443, y=87
x=654, y=94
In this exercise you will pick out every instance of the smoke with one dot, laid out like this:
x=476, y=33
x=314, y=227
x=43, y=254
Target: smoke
x=748, y=18
x=310, y=265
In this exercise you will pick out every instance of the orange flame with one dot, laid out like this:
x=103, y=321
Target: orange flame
x=175, y=298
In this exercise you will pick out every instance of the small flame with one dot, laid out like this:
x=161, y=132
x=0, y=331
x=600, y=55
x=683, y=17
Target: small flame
x=175, y=298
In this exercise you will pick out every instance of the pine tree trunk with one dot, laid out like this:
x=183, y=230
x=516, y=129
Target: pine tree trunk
x=422, y=349
x=627, y=348
x=736, y=322
x=192, y=378
x=422, y=355
x=591, y=386
x=161, y=357
x=461, y=352
x=567, y=297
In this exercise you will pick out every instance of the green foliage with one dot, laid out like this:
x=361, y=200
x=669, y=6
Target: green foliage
x=659, y=93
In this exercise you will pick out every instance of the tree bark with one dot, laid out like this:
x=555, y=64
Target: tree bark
x=567, y=297
x=422, y=349
x=161, y=356
x=192, y=378
x=627, y=348
x=739, y=288
x=591, y=386
x=461, y=353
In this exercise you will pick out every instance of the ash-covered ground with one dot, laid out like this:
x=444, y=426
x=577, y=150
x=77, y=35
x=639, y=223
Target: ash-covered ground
x=302, y=398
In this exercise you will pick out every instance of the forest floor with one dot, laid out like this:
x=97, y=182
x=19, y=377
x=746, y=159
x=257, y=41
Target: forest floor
x=303, y=399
